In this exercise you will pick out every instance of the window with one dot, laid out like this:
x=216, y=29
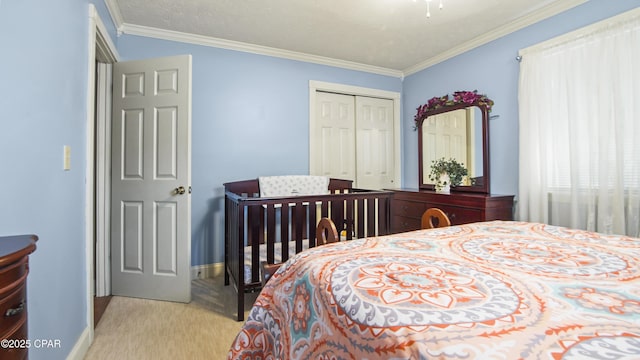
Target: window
x=580, y=128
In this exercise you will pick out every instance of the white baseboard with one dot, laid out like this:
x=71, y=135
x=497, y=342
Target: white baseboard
x=207, y=271
x=81, y=347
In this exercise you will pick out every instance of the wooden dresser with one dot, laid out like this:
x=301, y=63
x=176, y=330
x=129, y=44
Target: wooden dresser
x=408, y=205
x=14, y=268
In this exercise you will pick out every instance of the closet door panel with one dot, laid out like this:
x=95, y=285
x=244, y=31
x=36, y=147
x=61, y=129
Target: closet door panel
x=374, y=143
x=333, y=136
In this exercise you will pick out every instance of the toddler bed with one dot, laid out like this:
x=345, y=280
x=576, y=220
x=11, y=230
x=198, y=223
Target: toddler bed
x=272, y=218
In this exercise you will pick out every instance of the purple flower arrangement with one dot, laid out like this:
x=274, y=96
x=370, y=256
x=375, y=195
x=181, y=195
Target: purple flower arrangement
x=459, y=97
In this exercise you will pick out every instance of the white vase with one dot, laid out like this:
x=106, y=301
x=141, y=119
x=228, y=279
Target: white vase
x=444, y=179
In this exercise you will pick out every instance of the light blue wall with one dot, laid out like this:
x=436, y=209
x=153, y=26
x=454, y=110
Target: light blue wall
x=493, y=70
x=250, y=118
x=245, y=109
x=43, y=92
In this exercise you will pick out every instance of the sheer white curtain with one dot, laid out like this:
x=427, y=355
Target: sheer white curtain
x=579, y=101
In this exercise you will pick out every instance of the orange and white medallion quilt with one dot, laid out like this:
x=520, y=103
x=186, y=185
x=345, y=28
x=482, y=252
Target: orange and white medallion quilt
x=493, y=290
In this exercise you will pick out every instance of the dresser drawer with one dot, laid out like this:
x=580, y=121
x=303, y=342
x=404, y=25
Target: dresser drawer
x=19, y=351
x=403, y=224
x=459, y=215
x=404, y=208
x=408, y=205
x=13, y=275
x=13, y=309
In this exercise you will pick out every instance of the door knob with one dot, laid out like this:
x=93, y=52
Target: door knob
x=180, y=190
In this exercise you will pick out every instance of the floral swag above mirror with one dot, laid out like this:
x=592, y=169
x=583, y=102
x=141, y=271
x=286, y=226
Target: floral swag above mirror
x=458, y=97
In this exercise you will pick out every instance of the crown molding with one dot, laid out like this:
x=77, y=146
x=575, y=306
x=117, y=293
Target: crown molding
x=124, y=28
x=588, y=30
x=543, y=13
x=131, y=29
x=115, y=13
x=254, y=49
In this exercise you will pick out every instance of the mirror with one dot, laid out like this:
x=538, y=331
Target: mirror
x=455, y=128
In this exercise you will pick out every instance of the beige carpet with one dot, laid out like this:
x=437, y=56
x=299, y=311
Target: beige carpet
x=134, y=328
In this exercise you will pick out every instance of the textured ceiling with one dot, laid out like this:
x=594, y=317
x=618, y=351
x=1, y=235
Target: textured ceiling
x=389, y=34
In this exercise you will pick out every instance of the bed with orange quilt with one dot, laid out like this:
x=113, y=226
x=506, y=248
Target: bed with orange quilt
x=493, y=290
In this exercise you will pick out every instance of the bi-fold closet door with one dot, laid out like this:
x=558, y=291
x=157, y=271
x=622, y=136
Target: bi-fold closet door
x=352, y=138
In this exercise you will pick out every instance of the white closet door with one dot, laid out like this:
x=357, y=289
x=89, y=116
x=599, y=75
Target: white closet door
x=374, y=143
x=352, y=137
x=333, y=137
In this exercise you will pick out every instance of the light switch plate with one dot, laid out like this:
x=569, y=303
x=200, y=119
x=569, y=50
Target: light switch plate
x=67, y=158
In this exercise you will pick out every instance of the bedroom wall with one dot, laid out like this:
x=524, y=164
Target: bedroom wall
x=250, y=112
x=43, y=100
x=245, y=107
x=250, y=118
x=493, y=70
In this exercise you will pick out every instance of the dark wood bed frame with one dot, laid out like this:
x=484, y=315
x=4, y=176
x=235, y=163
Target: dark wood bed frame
x=251, y=221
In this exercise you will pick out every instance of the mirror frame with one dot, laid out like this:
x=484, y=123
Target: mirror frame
x=441, y=105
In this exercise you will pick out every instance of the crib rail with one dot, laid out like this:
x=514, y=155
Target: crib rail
x=251, y=221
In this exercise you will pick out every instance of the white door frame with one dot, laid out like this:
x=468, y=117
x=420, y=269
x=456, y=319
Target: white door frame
x=315, y=86
x=100, y=47
x=103, y=178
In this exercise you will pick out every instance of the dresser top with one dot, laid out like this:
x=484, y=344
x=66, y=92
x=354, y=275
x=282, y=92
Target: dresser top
x=453, y=193
x=13, y=248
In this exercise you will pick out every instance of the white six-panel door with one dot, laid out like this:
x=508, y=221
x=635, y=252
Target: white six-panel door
x=151, y=220
x=374, y=143
x=333, y=136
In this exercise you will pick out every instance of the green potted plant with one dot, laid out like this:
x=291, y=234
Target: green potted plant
x=447, y=173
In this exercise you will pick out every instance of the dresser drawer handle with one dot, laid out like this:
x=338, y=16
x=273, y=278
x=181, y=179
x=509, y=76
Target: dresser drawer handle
x=15, y=311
